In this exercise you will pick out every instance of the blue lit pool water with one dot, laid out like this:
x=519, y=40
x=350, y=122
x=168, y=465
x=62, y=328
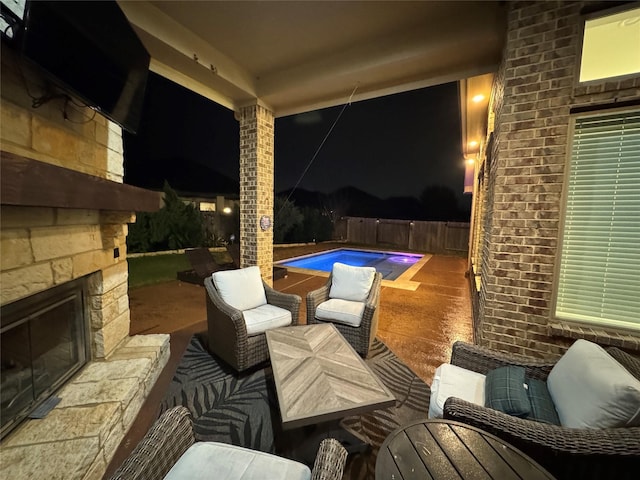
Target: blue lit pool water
x=390, y=264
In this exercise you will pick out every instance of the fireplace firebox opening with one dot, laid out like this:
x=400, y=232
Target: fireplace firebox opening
x=44, y=341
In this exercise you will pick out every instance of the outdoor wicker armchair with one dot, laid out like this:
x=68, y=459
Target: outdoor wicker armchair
x=565, y=452
x=172, y=435
x=227, y=331
x=359, y=337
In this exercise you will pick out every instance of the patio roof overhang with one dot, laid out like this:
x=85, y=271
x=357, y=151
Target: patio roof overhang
x=295, y=57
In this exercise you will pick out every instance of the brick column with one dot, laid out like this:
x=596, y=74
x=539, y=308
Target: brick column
x=256, y=188
x=533, y=92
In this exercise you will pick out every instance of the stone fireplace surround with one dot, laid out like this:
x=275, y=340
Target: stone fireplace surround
x=64, y=216
x=43, y=247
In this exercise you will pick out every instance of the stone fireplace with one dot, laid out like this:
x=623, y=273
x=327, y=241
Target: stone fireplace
x=63, y=227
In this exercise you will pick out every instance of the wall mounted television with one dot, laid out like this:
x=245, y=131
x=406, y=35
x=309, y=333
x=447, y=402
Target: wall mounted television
x=89, y=49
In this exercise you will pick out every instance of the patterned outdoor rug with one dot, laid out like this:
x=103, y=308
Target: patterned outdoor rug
x=226, y=407
x=243, y=410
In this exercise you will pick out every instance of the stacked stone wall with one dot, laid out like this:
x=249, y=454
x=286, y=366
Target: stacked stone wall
x=43, y=247
x=60, y=132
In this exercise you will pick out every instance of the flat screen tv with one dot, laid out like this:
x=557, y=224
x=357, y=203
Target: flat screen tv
x=89, y=49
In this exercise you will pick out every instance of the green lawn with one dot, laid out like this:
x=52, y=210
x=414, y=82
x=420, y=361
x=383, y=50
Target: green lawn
x=163, y=268
x=156, y=269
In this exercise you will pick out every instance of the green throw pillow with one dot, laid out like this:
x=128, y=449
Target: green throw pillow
x=542, y=408
x=505, y=390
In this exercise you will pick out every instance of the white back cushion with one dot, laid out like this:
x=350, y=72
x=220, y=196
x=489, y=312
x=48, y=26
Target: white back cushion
x=351, y=283
x=590, y=389
x=242, y=288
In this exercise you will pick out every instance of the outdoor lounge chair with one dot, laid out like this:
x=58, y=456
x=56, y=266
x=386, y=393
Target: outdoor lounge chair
x=565, y=452
x=170, y=444
x=350, y=300
x=234, y=252
x=203, y=265
x=240, y=307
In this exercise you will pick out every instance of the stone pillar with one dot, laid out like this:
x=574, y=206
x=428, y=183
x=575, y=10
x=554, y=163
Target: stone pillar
x=256, y=188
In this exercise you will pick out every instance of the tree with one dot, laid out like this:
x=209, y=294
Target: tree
x=439, y=203
x=315, y=227
x=139, y=238
x=176, y=225
x=287, y=216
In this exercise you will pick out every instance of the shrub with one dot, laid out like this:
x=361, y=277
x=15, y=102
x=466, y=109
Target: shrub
x=176, y=225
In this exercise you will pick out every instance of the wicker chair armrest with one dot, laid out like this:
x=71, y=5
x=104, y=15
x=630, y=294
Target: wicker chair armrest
x=373, y=300
x=367, y=317
x=234, y=314
x=288, y=301
x=531, y=436
x=315, y=298
x=372, y=303
x=330, y=461
x=482, y=360
x=631, y=363
x=165, y=442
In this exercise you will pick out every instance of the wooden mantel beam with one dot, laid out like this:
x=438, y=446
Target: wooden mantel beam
x=30, y=183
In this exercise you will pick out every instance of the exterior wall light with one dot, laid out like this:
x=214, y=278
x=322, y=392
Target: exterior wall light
x=469, y=175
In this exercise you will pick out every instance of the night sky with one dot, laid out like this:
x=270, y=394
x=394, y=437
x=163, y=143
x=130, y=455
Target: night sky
x=390, y=146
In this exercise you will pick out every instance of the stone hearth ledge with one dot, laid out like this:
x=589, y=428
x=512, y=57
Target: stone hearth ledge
x=80, y=435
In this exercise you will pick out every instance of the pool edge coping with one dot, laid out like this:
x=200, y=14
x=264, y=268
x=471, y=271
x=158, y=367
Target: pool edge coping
x=403, y=282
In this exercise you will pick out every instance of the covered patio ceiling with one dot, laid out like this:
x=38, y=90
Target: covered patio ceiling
x=299, y=56
x=296, y=57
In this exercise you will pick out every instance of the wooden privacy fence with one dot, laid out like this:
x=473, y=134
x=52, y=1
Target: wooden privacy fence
x=432, y=237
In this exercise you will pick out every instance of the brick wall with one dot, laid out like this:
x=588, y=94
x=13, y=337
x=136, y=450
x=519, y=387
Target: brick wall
x=534, y=92
x=256, y=187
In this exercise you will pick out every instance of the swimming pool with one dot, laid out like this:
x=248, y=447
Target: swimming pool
x=390, y=264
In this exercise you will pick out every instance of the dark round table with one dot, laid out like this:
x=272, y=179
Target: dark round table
x=444, y=449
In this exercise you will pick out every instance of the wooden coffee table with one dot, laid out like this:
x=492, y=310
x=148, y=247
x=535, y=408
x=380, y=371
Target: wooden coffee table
x=319, y=377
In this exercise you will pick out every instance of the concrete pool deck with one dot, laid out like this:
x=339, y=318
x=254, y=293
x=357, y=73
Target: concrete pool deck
x=419, y=325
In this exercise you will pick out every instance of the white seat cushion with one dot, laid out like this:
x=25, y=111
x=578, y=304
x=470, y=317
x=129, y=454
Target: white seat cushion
x=341, y=311
x=242, y=288
x=207, y=460
x=351, y=283
x=590, y=389
x=264, y=318
x=453, y=381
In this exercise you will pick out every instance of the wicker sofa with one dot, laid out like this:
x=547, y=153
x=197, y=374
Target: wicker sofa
x=565, y=452
x=172, y=434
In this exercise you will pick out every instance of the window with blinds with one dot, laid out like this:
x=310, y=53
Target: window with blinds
x=599, y=268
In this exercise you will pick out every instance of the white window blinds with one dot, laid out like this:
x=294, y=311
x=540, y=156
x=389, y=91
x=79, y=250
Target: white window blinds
x=599, y=272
